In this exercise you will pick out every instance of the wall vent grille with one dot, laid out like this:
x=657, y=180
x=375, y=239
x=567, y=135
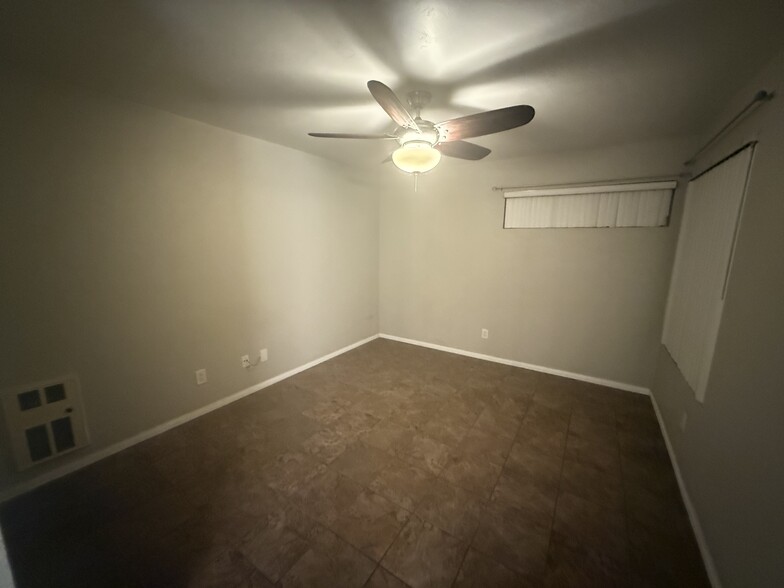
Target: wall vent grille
x=45, y=420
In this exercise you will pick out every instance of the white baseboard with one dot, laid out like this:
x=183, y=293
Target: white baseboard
x=710, y=566
x=529, y=366
x=78, y=464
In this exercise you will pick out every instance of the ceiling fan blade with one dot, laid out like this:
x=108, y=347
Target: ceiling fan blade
x=485, y=123
x=463, y=150
x=388, y=159
x=350, y=136
x=391, y=105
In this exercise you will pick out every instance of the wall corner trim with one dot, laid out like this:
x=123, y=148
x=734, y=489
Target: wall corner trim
x=529, y=366
x=707, y=558
x=28, y=485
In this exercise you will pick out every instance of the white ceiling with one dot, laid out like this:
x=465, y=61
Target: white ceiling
x=598, y=72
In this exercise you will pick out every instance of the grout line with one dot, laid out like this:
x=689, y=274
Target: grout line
x=558, y=494
x=469, y=543
x=391, y=543
x=379, y=566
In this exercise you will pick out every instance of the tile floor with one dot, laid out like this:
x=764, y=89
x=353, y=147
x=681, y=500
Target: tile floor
x=390, y=465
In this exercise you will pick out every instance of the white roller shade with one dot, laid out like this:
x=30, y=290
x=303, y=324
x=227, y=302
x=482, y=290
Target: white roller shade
x=702, y=263
x=618, y=205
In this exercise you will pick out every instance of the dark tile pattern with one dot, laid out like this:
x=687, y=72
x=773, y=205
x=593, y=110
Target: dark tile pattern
x=390, y=465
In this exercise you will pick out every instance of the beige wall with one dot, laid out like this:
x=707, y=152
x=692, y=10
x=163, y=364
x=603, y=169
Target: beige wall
x=137, y=246
x=732, y=452
x=588, y=301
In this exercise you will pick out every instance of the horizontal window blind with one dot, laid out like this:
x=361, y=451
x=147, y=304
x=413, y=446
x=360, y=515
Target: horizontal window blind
x=702, y=263
x=618, y=205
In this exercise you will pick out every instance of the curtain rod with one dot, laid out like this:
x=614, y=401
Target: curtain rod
x=589, y=184
x=759, y=98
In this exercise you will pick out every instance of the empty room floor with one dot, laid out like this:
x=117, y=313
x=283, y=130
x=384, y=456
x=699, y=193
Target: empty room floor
x=390, y=465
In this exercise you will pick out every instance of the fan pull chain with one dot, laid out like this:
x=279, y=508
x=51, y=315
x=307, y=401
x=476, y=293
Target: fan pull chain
x=416, y=182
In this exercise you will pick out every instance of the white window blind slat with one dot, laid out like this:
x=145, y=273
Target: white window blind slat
x=647, y=205
x=705, y=244
x=608, y=207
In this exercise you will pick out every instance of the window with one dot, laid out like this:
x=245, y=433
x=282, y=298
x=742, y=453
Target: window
x=644, y=204
x=702, y=264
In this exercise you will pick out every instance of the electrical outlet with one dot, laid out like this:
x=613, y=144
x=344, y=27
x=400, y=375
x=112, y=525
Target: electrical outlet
x=485, y=333
x=263, y=355
x=245, y=361
x=684, y=418
x=201, y=376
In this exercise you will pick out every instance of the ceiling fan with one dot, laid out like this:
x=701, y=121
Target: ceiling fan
x=422, y=142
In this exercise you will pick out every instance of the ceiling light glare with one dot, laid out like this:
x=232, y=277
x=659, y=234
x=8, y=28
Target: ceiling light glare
x=416, y=157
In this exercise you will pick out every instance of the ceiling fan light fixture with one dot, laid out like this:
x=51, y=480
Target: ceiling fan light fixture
x=416, y=157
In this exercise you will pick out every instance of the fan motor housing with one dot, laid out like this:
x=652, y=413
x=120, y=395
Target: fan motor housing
x=429, y=133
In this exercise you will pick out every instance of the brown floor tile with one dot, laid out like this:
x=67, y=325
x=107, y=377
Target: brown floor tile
x=508, y=400
x=386, y=434
x=381, y=578
x=451, y=509
x=498, y=422
x=445, y=432
x=594, y=430
x=581, y=525
x=423, y=555
x=641, y=449
x=374, y=405
x=227, y=568
x=371, y=523
x=567, y=568
x=479, y=571
x=493, y=448
x=351, y=425
x=159, y=516
x=596, y=409
x=325, y=496
x=361, y=462
x=592, y=484
x=289, y=470
x=472, y=472
x=541, y=414
x=325, y=445
x=257, y=580
x=528, y=496
x=602, y=456
x=329, y=559
x=542, y=439
x=665, y=557
x=325, y=411
x=403, y=484
x=554, y=393
x=527, y=463
x=423, y=452
x=70, y=563
x=656, y=476
x=279, y=541
x=664, y=511
x=508, y=535
x=457, y=414
x=192, y=554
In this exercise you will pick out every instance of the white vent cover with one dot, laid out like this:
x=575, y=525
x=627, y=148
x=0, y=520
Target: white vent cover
x=45, y=420
x=645, y=204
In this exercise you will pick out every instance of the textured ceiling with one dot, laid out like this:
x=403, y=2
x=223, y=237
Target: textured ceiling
x=598, y=72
